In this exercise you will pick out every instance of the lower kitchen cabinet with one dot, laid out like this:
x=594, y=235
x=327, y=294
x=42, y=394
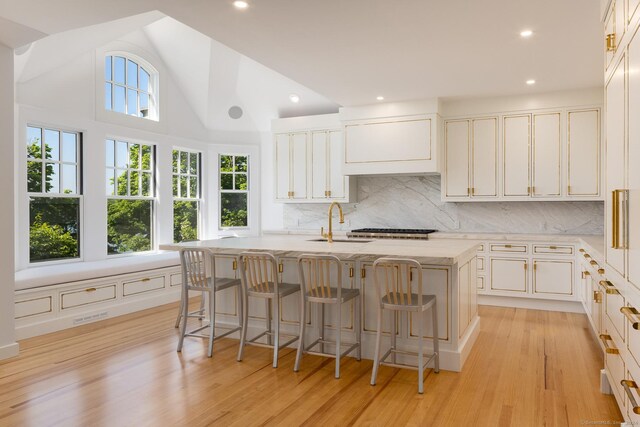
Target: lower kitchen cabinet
x=552, y=277
x=508, y=275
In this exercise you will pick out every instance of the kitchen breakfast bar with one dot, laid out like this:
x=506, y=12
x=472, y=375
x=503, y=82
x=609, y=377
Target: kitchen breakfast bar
x=449, y=273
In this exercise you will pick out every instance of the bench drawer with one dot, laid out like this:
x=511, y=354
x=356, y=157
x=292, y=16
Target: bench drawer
x=480, y=263
x=33, y=307
x=140, y=286
x=553, y=249
x=87, y=296
x=509, y=247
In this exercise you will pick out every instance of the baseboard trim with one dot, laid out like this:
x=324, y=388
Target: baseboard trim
x=9, y=350
x=531, y=303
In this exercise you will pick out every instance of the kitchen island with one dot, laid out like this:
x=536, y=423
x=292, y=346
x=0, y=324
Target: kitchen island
x=449, y=272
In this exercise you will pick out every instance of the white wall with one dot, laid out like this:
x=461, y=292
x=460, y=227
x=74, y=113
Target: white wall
x=8, y=346
x=272, y=212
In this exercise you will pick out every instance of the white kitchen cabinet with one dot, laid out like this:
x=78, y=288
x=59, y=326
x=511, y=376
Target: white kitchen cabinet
x=509, y=275
x=609, y=31
x=457, y=154
x=484, y=137
x=327, y=181
x=553, y=277
x=546, y=153
x=516, y=151
x=616, y=167
x=583, y=152
x=633, y=186
x=309, y=156
x=291, y=166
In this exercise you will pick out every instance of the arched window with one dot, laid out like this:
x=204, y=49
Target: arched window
x=130, y=88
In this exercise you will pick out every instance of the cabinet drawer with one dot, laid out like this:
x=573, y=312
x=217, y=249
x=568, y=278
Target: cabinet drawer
x=614, y=301
x=175, y=279
x=508, y=247
x=553, y=249
x=633, y=410
x=33, y=307
x=633, y=338
x=480, y=282
x=86, y=296
x=615, y=366
x=148, y=284
x=480, y=263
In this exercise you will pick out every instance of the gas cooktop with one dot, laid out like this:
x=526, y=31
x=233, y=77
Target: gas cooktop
x=391, y=233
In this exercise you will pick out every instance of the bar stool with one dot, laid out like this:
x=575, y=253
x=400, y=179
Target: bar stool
x=394, y=293
x=259, y=272
x=315, y=281
x=194, y=278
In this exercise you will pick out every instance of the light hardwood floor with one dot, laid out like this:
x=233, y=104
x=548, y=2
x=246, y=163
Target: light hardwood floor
x=528, y=368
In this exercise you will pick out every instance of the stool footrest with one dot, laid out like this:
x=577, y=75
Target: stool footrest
x=193, y=332
x=252, y=341
x=428, y=357
x=344, y=353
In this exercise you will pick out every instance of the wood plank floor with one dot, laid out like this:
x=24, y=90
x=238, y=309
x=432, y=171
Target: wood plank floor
x=528, y=368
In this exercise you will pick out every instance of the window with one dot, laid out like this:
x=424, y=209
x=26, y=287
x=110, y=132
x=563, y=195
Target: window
x=186, y=195
x=130, y=191
x=53, y=186
x=129, y=88
x=234, y=191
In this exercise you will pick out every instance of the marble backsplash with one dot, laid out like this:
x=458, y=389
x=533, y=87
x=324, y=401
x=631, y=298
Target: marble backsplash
x=414, y=202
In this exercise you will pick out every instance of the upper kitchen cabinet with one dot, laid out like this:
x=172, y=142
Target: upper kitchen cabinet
x=309, y=154
x=615, y=26
x=471, y=158
x=394, y=138
x=542, y=155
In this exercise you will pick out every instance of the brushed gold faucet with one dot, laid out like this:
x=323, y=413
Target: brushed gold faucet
x=329, y=235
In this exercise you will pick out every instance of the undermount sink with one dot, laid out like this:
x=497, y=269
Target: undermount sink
x=340, y=240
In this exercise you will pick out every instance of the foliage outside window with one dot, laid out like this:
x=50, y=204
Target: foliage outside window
x=186, y=195
x=234, y=191
x=130, y=195
x=53, y=186
x=128, y=88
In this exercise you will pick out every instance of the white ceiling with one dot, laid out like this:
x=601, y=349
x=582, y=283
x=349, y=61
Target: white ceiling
x=351, y=51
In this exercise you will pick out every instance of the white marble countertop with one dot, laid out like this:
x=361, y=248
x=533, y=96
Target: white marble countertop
x=435, y=252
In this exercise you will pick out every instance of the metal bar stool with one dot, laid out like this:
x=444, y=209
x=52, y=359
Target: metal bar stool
x=194, y=278
x=315, y=281
x=259, y=272
x=394, y=293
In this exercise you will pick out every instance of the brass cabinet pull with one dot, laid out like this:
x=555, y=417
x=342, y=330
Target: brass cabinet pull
x=553, y=247
x=363, y=272
x=329, y=193
x=90, y=290
x=587, y=256
x=593, y=262
x=628, y=385
x=609, y=288
x=601, y=271
x=609, y=350
x=280, y=268
x=611, y=42
x=146, y=279
x=525, y=265
x=580, y=250
x=350, y=271
x=508, y=246
x=616, y=241
x=597, y=297
x=473, y=191
x=235, y=264
x=585, y=274
x=632, y=316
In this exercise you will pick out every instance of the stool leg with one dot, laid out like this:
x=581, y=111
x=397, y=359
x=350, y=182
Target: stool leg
x=201, y=311
x=436, y=339
x=240, y=307
x=338, y=336
x=358, y=326
x=421, y=353
x=245, y=324
x=268, y=316
x=212, y=319
x=376, y=355
x=183, y=325
x=276, y=344
x=393, y=335
x=180, y=309
x=321, y=327
x=303, y=307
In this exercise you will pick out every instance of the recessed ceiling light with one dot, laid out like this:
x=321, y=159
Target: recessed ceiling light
x=294, y=98
x=531, y=82
x=239, y=4
x=526, y=33
x=380, y=98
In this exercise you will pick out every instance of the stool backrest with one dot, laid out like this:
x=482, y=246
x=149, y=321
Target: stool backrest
x=258, y=269
x=194, y=267
x=392, y=277
x=315, y=274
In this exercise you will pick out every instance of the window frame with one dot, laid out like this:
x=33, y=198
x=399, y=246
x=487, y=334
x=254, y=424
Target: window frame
x=198, y=176
x=153, y=114
x=234, y=191
x=79, y=194
x=152, y=198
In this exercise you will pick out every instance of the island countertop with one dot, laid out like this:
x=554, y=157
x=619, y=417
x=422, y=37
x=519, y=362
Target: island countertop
x=439, y=252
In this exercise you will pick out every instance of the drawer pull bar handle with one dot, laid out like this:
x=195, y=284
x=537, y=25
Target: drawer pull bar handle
x=90, y=290
x=146, y=279
x=585, y=274
x=597, y=297
x=593, y=262
x=601, y=271
x=609, y=350
x=553, y=247
x=508, y=246
x=628, y=385
x=632, y=316
x=587, y=256
x=580, y=250
x=609, y=288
